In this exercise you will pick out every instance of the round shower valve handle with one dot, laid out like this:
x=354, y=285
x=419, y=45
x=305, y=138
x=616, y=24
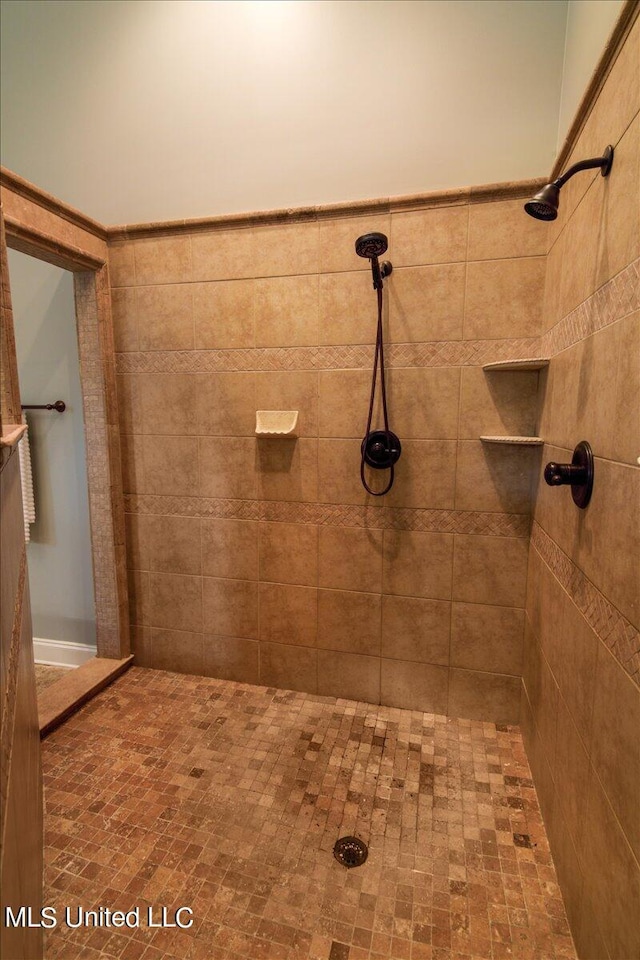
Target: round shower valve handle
x=578, y=474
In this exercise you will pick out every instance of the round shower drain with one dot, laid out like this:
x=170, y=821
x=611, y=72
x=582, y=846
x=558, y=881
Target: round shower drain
x=350, y=852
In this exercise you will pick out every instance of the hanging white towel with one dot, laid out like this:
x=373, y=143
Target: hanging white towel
x=26, y=477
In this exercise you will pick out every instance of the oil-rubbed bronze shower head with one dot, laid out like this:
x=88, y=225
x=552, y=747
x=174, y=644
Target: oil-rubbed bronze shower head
x=371, y=246
x=544, y=206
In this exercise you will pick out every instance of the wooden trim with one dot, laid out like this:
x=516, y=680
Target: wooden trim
x=43, y=246
x=620, y=32
x=47, y=201
x=10, y=411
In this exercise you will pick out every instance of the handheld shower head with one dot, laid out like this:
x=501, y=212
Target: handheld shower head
x=371, y=246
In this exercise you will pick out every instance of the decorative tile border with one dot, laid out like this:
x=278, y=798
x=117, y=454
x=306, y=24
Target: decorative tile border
x=442, y=353
x=611, y=626
x=612, y=301
x=334, y=515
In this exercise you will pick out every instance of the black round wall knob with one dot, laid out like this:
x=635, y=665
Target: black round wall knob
x=578, y=474
x=381, y=449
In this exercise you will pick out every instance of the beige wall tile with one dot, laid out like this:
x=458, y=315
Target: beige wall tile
x=289, y=553
x=288, y=614
x=338, y=241
x=168, y=403
x=417, y=564
x=350, y=558
x=290, y=668
x=491, y=477
x=504, y=298
x=484, y=696
x=565, y=860
x=487, y=638
x=415, y=629
x=581, y=251
x=611, y=876
x=138, y=587
x=626, y=420
x=178, y=651
x=615, y=749
x=424, y=402
x=230, y=607
x=138, y=540
x=501, y=229
x=224, y=254
x=287, y=469
x=141, y=646
x=609, y=536
x=223, y=315
x=347, y=308
x=175, y=602
x=230, y=549
x=414, y=686
x=286, y=249
x=339, y=474
x=499, y=403
x=426, y=303
x=165, y=317
x=490, y=570
x=348, y=675
x=619, y=233
x=170, y=465
x=122, y=271
x=424, y=475
x=226, y=404
x=286, y=311
x=228, y=467
x=344, y=402
x=571, y=774
x=163, y=260
x=575, y=665
x=438, y=235
x=129, y=405
x=291, y=390
x=618, y=102
x=125, y=318
x=349, y=622
x=231, y=658
x=174, y=545
x=543, y=697
x=132, y=463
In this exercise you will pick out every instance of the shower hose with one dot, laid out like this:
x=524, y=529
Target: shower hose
x=379, y=357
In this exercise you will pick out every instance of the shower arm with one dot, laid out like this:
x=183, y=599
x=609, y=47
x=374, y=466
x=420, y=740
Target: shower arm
x=603, y=162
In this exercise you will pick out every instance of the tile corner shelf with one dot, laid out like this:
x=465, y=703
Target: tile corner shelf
x=515, y=441
x=532, y=363
x=276, y=423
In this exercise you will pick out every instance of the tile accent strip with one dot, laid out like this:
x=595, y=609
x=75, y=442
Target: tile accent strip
x=334, y=515
x=611, y=626
x=442, y=353
x=614, y=300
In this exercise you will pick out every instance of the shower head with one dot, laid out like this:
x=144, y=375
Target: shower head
x=544, y=206
x=371, y=245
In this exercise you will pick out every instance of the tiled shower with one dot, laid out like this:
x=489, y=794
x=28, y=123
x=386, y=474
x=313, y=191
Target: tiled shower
x=474, y=595
x=264, y=561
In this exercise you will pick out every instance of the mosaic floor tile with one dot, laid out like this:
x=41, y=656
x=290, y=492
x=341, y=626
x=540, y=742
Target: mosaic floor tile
x=179, y=791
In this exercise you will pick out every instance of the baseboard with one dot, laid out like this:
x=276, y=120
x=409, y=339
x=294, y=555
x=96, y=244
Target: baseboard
x=61, y=653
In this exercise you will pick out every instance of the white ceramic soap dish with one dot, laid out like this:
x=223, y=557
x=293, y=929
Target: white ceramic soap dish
x=276, y=423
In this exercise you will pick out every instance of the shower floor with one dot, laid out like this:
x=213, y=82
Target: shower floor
x=179, y=791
